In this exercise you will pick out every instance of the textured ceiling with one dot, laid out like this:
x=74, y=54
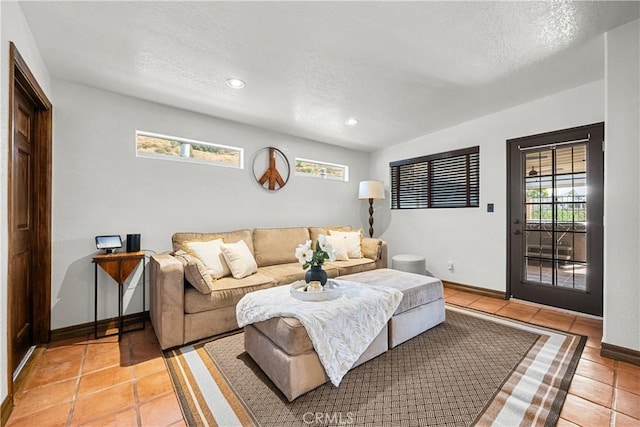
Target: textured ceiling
x=404, y=69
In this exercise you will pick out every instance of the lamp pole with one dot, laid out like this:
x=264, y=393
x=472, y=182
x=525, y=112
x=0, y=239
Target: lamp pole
x=370, y=217
x=371, y=190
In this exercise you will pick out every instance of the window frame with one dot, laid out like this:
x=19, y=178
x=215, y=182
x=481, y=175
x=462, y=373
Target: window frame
x=426, y=190
x=178, y=158
x=321, y=163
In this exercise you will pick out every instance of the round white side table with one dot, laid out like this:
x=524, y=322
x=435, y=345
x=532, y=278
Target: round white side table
x=409, y=263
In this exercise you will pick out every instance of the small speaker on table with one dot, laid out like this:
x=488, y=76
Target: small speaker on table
x=133, y=242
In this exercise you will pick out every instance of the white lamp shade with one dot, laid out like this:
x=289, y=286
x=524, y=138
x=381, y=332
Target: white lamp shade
x=371, y=190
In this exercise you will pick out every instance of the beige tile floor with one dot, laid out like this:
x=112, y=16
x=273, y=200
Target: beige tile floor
x=103, y=382
x=99, y=382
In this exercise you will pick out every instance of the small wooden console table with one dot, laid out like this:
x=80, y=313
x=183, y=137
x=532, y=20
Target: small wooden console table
x=119, y=266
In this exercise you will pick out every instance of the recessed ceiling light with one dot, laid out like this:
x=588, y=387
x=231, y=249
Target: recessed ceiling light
x=235, y=83
x=351, y=122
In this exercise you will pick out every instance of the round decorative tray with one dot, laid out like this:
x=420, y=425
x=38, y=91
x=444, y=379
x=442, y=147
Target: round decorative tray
x=298, y=292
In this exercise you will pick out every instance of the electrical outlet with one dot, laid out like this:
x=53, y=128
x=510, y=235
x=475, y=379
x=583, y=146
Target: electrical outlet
x=450, y=265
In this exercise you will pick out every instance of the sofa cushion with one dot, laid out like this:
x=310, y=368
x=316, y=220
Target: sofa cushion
x=353, y=241
x=179, y=239
x=210, y=254
x=352, y=266
x=239, y=258
x=227, y=293
x=289, y=273
x=196, y=272
x=277, y=245
x=314, y=232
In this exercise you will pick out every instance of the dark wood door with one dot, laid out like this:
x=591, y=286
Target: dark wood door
x=556, y=183
x=29, y=215
x=22, y=226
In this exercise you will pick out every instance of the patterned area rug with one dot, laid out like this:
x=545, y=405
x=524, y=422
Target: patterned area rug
x=474, y=369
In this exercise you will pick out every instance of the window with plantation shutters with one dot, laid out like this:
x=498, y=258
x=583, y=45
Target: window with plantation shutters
x=443, y=180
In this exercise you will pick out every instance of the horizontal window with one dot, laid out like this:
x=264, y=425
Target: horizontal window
x=157, y=146
x=444, y=180
x=324, y=170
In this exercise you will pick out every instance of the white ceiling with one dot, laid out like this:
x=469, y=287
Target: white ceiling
x=404, y=69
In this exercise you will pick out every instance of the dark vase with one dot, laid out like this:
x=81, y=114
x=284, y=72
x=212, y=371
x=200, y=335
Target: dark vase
x=316, y=273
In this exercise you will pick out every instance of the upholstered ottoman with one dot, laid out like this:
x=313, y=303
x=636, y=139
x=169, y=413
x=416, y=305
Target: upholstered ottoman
x=422, y=305
x=283, y=350
x=409, y=263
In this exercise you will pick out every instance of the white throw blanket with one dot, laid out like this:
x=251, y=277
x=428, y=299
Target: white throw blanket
x=340, y=329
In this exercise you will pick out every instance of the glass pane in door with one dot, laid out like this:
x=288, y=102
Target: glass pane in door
x=555, y=201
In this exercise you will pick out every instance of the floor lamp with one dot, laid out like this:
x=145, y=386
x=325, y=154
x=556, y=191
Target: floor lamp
x=372, y=190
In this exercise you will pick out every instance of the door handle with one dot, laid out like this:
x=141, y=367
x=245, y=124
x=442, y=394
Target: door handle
x=517, y=232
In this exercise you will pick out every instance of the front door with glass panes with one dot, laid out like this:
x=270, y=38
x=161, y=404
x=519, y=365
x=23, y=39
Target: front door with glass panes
x=555, y=218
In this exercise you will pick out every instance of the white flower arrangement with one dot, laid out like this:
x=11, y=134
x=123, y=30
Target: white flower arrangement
x=310, y=258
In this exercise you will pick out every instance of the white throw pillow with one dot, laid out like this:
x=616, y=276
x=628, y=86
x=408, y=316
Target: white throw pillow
x=239, y=258
x=352, y=240
x=211, y=256
x=341, y=245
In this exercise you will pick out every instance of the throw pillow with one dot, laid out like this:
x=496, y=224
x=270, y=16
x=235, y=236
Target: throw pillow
x=239, y=258
x=353, y=242
x=341, y=245
x=196, y=272
x=210, y=255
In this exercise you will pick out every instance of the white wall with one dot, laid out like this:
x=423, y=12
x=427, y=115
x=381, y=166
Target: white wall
x=13, y=29
x=622, y=188
x=101, y=187
x=472, y=238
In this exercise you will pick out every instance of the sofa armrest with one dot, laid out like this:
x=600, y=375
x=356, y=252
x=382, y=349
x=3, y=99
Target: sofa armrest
x=166, y=289
x=375, y=249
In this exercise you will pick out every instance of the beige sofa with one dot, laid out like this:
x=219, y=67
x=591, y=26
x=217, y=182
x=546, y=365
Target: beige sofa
x=181, y=314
